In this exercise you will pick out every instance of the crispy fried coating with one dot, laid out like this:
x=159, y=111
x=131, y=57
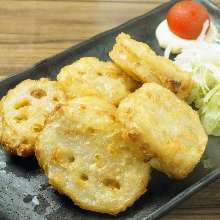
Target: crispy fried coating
x=84, y=156
x=1, y=119
x=165, y=127
x=90, y=76
x=139, y=61
x=24, y=111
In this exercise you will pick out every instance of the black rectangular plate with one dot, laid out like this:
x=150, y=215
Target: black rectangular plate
x=21, y=180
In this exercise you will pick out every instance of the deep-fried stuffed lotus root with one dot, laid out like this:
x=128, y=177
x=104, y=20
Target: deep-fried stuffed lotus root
x=164, y=127
x=84, y=156
x=24, y=111
x=92, y=77
x=139, y=61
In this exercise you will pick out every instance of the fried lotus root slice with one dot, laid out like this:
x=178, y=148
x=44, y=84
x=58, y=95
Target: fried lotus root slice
x=92, y=77
x=164, y=126
x=140, y=62
x=25, y=109
x=84, y=156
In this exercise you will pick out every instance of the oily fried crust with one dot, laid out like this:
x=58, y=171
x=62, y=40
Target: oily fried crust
x=8, y=139
x=24, y=150
x=165, y=127
x=84, y=156
x=140, y=61
x=24, y=111
x=91, y=77
x=1, y=119
x=11, y=144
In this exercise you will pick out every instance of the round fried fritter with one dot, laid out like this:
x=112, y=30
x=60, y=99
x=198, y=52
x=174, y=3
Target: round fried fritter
x=139, y=61
x=24, y=110
x=84, y=156
x=164, y=126
x=90, y=76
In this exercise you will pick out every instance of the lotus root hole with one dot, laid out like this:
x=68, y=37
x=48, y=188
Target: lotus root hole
x=84, y=177
x=99, y=74
x=37, y=128
x=71, y=159
x=21, y=118
x=55, y=99
x=112, y=183
x=22, y=104
x=38, y=93
x=91, y=130
x=97, y=157
x=82, y=107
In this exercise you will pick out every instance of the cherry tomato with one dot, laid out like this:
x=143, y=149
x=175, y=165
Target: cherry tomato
x=186, y=19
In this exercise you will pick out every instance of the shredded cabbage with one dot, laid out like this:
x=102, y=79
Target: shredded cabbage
x=203, y=61
x=210, y=112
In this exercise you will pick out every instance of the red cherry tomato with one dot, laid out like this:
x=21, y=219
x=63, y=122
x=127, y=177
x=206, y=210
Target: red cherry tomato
x=186, y=19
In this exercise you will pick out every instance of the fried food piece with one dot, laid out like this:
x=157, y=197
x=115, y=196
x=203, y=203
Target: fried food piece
x=1, y=119
x=90, y=76
x=24, y=110
x=140, y=62
x=164, y=126
x=85, y=157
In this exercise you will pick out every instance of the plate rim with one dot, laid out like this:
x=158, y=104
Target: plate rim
x=185, y=194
